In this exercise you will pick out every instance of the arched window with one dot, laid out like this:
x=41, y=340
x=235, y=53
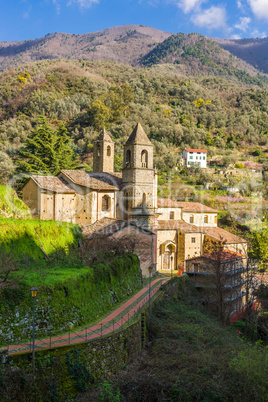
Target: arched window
x=205, y=219
x=192, y=219
x=108, y=150
x=144, y=202
x=105, y=203
x=128, y=158
x=98, y=150
x=144, y=159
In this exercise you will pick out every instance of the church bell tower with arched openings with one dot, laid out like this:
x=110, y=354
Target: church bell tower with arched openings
x=139, y=180
x=103, y=153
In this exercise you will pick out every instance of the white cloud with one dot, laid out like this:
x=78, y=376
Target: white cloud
x=259, y=8
x=84, y=3
x=26, y=14
x=235, y=36
x=258, y=34
x=189, y=5
x=243, y=24
x=211, y=18
x=240, y=5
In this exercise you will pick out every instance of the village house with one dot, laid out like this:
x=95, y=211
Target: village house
x=194, y=158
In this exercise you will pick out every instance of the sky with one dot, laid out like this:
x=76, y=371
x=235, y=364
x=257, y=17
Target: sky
x=30, y=19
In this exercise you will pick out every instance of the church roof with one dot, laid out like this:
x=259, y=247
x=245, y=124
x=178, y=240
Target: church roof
x=104, y=136
x=195, y=207
x=52, y=183
x=177, y=224
x=167, y=203
x=84, y=179
x=222, y=235
x=138, y=136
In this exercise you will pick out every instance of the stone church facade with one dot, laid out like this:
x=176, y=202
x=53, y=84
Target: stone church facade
x=105, y=202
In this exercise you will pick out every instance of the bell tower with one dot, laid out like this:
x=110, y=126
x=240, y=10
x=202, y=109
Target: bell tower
x=103, y=153
x=139, y=179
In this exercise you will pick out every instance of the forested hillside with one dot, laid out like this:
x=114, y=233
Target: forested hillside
x=223, y=116
x=198, y=55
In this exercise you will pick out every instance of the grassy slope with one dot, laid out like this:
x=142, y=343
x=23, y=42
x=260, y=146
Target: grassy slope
x=191, y=357
x=11, y=205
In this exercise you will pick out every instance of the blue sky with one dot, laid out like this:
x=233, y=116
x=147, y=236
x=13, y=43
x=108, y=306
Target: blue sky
x=30, y=19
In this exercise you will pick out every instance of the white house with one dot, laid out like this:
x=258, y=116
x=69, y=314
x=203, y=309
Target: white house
x=194, y=158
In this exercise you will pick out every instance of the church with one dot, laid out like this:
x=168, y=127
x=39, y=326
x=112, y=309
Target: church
x=106, y=203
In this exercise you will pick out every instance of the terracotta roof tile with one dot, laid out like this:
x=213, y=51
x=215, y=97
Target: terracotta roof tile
x=195, y=207
x=138, y=136
x=174, y=225
x=223, y=255
x=52, y=183
x=195, y=150
x=94, y=181
x=222, y=235
x=167, y=202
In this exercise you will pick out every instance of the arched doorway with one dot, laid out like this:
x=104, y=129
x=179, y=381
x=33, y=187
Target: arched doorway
x=168, y=261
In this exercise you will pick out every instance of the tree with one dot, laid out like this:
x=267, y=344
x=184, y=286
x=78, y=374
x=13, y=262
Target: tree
x=65, y=158
x=6, y=167
x=46, y=151
x=98, y=114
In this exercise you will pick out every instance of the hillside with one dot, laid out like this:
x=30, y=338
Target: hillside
x=189, y=357
x=198, y=55
x=138, y=45
x=253, y=51
x=123, y=44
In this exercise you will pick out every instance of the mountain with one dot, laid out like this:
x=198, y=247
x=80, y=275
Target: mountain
x=253, y=51
x=122, y=44
x=198, y=55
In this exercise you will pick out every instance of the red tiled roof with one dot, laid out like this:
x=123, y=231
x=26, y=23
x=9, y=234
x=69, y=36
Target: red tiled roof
x=100, y=181
x=52, y=183
x=223, y=255
x=167, y=202
x=195, y=150
x=222, y=235
x=181, y=225
x=195, y=207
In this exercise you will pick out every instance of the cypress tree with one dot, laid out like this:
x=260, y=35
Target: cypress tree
x=46, y=151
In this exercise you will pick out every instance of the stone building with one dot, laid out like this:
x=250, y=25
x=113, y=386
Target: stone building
x=175, y=231
x=222, y=279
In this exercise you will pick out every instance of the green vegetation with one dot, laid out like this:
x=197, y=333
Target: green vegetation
x=11, y=205
x=191, y=357
x=195, y=51
x=45, y=254
x=86, y=96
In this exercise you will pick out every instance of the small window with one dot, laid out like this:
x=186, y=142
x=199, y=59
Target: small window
x=193, y=239
x=98, y=150
x=105, y=203
x=171, y=215
x=191, y=219
x=196, y=157
x=215, y=219
x=204, y=158
x=191, y=157
x=128, y=158
x=144, y=159
x=108, y=150
x=205, y=219
x=188, y=163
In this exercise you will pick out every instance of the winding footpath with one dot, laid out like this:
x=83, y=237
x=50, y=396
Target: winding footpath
x=117, y=319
